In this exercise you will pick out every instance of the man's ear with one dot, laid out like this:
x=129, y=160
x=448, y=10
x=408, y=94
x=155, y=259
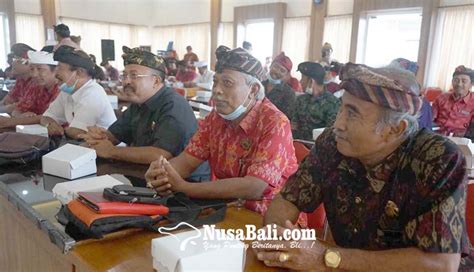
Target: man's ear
x=399, y=130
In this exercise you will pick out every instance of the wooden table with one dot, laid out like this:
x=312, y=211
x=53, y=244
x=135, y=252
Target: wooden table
x=25, y=247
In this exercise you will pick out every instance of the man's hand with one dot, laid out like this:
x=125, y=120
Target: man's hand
x=28, y=114
x=94, y=133
x=103, y=148
x=162, y=177
x=54, y=129
x=292, y=254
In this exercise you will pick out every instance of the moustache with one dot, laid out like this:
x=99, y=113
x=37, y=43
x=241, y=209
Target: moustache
x=128, y=88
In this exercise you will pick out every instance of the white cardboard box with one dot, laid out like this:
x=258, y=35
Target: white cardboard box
x=70, y=162
x=467, y=148
x=33, y=129
x=317, y=132
x=67, y=191
x=220, y=255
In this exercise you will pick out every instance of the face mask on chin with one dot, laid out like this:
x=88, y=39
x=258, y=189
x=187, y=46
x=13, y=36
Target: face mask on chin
x=241, y=109
x=273, y=81
x=68, y=89
x=309, y=90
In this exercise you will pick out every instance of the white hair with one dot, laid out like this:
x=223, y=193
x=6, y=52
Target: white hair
x=390, y=117
x=250, y=81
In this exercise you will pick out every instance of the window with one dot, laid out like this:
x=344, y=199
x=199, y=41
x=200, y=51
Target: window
x=453, y=45
x=30, y=30
x=296, y=40
x=260, y=34
x=391, y=36
x=337, y=32
x=5, y=42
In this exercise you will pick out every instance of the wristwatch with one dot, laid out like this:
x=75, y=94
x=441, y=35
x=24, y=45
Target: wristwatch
x=332, y=258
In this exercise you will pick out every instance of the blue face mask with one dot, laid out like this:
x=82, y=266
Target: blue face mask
x=241, y=109
x=273, y=81
x=68, y=89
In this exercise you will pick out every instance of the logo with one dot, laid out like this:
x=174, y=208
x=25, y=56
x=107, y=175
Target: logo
x=182, y=246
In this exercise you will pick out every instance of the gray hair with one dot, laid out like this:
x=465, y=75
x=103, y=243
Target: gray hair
x=250, y=81
x=390, y=117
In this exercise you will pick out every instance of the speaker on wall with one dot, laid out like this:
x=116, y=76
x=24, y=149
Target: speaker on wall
x=108, y=50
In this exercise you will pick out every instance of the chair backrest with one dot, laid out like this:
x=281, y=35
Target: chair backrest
x=470, y=211
x=432, y=93
x=301, y=151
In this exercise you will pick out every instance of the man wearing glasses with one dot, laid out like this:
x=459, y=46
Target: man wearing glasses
x=21, y=71
x=159, y=121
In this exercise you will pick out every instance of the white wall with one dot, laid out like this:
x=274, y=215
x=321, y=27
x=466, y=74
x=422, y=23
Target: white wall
x=294, y=8
x=180, y=12
x=136, y=12
x=340, y=7
x=455, y=2
x=28, y=6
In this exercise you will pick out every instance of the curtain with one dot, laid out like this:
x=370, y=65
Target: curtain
x=196, y=35
x=295, y=42
x=337, y=32
x=93, y=32
x=225, y=36
x=453, y=45
x=30, y=30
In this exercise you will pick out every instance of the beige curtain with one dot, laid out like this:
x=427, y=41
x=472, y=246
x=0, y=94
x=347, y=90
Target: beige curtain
x=295, y=42
x=453, y=45
x=30, y=30
x=225, y=35
x=337, y=32
x=92, y=33
x=196, y=35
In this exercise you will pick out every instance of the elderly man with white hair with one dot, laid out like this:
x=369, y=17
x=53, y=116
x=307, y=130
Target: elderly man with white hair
x=394, y=195
x=246, y=140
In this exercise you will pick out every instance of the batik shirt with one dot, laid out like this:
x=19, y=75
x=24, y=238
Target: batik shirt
x=416, y=197
x=313, y=112
x=20, y=88
x=282, y=96
x=37, y=99
x=260, y=146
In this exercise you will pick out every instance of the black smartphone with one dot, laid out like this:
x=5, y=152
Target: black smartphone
x=134, y=191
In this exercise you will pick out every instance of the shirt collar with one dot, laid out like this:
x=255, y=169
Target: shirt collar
x=466, y=98
x=154, y=101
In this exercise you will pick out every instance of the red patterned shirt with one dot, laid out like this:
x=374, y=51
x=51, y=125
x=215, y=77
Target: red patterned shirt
x=453, y=115
x=261, y=146
x=21, y=87
x=37, y=99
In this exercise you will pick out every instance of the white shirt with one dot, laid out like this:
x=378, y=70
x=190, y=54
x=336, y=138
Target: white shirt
x=205, y=80
x=87, y=106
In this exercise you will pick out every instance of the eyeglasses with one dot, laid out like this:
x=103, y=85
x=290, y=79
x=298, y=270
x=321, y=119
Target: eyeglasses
x=123, y=77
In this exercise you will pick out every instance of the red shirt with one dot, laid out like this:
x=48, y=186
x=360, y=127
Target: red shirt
x=185, y=76
x=453, y=116
x=20, y=88
x=261, y=146
x=295, y=85
x=37, y=99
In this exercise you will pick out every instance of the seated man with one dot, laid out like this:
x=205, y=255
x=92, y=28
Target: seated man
x=204, y=79
x=317, y=108
x=21, y=72
x=159, y=122
x=453, y=111
x=246, y=139
x=395, y=196
x=36, y=100
x=185, y=72
x=82, y=102
x=276, y=90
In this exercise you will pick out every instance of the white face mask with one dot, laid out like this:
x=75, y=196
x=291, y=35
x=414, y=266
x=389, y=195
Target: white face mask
x=241, y=109
x=309, y=90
